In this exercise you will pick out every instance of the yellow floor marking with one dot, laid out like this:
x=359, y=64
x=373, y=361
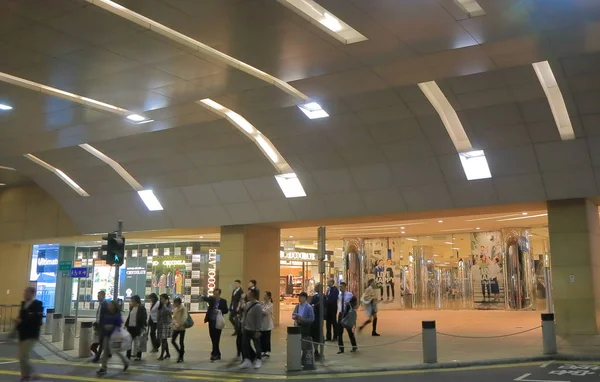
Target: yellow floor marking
x=63, y=377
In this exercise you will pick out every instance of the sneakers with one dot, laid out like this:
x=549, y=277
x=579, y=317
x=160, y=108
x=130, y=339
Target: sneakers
x=247, y=364
x=258, y=364
x=101, y=371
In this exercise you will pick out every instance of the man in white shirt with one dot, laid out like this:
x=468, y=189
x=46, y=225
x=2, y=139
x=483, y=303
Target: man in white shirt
x=343, y=307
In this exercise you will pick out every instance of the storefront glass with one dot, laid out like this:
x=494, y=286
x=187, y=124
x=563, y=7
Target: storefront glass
x=44, y=268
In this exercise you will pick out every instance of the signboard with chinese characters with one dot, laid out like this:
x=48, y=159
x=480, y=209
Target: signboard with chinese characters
x=79, y=273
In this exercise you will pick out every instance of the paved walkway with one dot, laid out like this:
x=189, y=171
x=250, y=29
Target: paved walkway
x=463, y=336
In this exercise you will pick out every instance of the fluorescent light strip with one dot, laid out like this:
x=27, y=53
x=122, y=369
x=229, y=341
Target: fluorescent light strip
x=555, y=99
x=115, y=166
x=411, y=239
x=64, y=177
x=523, y=217
x=180, y=38
x=325, y=20
x=7, y=168
x=492, y=218
x=286, y=179
x=470, y=7
x=473, y=161
x=150, y=200
x=457, y=229
x=4, y=107
x=95, y=104
x=377, y=227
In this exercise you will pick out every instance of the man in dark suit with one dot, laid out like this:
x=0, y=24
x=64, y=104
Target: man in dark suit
x=236, y=297
x=100, y=313
x=216, y=306
x=331, y=308
x=28, y=327
x=252, y=286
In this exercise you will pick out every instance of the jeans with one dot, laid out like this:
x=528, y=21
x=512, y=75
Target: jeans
x=215, y=338
x=393, y=287
x=153, y=340
x=341, y=335
x=265, y=341
x=248, y=338
x=181, y=348
x=106, y=353
x=25, y=349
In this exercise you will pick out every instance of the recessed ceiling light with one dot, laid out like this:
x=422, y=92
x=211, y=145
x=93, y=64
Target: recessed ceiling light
x=449, y=242
x=402, y=232
x=477, y=228
x=313, y=110
x=456, y=249
x=290, y=185
x=4, y=107
x=401, y=227
x=555, y=99
x=411, y=239
x=291, y=237
x=136, y=118
x=440, y=221
x=524, y=213
x=150, y=200
x=475, y=165
x=325, y=20
x=201, y=237
x=64, y=177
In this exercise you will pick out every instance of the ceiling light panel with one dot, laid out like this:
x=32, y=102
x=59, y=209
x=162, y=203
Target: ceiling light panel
x=325, y=20
x=523, y=217
x=290, y=185
x=7, y=168
x=474, y=162
x=470, y=7
x=150, y=200
x=555, y=99
x=191, y=43
x=4, y=107
x=92, y=103
x=64, y=177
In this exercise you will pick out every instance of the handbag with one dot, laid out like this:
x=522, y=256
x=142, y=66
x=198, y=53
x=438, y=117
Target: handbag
x=189, y=322
x=120, y=340
x=220, y=321
x=349, y=320
x=140, y=343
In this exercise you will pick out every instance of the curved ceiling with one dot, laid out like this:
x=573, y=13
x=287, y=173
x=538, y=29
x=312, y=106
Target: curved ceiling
x=383, y=149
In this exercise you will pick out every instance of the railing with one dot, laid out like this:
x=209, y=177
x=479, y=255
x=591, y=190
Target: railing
x=7, y=315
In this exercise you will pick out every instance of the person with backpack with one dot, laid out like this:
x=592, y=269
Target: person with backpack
x=180, y=316
x=346, y=317
x=215, y=318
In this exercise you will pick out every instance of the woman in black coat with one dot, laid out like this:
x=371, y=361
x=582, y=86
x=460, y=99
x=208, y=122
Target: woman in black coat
x=315, y=329
x=136, y=323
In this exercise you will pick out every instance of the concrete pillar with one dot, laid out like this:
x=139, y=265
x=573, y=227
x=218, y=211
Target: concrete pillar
x=575, y=260
x=251, y=252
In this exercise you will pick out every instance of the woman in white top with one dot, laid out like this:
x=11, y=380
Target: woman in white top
x=153, y=321
x=267, y=324
x=370, y=300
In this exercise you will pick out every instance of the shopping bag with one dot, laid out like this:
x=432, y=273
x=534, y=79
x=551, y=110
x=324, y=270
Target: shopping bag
x=189, y=322
x=220, y=321
x=349, y=320
x=140, y=343
x=120, y=340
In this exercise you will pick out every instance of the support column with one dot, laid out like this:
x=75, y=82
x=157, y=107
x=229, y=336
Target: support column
x=575, y=259
x=251, y=252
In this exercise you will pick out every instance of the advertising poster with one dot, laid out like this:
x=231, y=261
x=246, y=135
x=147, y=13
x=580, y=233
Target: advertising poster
x=487, y=270
x=104, y=279
x=44, y=267
x=384, y=267
x=133, y=278
x=168, y=275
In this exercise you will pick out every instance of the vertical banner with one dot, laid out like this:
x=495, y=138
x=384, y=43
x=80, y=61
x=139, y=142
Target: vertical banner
x=487, y=270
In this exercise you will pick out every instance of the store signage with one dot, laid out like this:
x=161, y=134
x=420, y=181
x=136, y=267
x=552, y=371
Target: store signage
x=135, y=271
x=79, y=273
x=298, y=256
x=42, y=262
x=212, y=271
x=64, y=265
x=289, y=246
x=169, y=263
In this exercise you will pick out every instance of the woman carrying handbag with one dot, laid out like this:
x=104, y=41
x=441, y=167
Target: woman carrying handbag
x=136, y=326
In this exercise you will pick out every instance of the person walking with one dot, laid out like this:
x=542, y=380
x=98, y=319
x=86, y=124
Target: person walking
x=164, y=326
x=217, y=309
x=346, y=302
x=331, y=309
x=28, y=326
x=252, y=324
x=180, y=315
x=369, y=298
x=153, y=322
x=111, y=323
x=136, y=326
x=236, y=297
x=267, y=324
x=98, y=341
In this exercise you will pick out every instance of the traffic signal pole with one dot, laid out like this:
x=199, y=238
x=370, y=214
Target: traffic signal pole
x=117, y=266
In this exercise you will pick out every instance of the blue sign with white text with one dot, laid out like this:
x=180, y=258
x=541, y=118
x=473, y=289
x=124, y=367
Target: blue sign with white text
x=79, y=273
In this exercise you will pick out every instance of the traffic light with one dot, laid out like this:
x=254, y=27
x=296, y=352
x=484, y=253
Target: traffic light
x=115, y=249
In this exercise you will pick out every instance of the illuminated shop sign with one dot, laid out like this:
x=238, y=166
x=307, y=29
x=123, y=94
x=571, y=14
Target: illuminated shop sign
x=306, y=256
x=42, y=262
x=135, y=271
x=169, y=263
x=212, y=271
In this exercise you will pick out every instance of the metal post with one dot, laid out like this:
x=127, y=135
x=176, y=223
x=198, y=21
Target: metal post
x=429, y=342
x=549, y=334
x=85, y=339
x=294, y=348
x=322, y=251
x=548, y=282
x=116, y=288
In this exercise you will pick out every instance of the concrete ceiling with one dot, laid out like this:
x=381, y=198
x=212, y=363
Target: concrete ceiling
x=383, y=150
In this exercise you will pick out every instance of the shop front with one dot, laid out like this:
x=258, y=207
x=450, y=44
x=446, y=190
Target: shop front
x=506, y=269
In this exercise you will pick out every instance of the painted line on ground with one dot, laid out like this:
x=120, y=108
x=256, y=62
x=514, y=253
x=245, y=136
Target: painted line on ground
x=8, y=362
x=64, y=377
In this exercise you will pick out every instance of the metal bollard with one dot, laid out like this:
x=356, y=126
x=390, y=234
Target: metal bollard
x=429, y=337
x=69, y=337
x=85, y=339
x=294, y=348
x=57, y=327
x=549, y=334
x=49, y=321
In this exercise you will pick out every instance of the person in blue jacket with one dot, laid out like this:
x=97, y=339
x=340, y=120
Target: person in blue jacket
x=111, y=322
